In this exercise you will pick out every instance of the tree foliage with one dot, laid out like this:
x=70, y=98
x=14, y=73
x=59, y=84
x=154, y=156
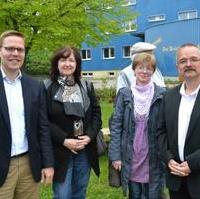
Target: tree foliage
x=48, y=24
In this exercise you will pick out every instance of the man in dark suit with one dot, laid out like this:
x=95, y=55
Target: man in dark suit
x=25, y=145
x=179, y=128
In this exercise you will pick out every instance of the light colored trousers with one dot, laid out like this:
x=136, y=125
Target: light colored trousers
x=19, y=183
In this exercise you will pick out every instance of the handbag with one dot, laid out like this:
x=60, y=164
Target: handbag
x=101, y=144
x=114, y=176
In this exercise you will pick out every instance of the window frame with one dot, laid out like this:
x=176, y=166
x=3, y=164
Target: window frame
x=123, y=51
x=109, y=52
x=86, y=52
x=129, y=25
x=130, y=3
x=187, y=12
x=157, y=18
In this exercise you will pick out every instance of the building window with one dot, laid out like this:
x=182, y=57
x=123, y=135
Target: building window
x=108, y=53
x=126, y=51
x=87, y=74
x=190, y=14
x=111, y=74
x=86, y=54
x=130, y=26
x=156, y=18
x=129, y=2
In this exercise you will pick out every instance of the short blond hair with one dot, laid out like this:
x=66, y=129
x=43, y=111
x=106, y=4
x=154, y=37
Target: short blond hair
x=142, y=58
x=10, y=33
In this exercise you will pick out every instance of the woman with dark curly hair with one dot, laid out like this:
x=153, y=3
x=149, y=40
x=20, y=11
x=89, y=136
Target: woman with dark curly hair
x=75, y=120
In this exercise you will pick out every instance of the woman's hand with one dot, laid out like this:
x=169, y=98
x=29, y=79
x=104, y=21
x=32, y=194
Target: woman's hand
x=84, y=140
x=75, y=145
x=117, y=164
x=72, y=145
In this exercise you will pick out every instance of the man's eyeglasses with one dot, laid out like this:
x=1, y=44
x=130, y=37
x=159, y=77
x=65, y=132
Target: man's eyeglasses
x=13, y=49
x=192, y=60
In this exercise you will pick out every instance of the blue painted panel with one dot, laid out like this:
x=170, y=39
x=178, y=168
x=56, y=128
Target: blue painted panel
x=171, y=36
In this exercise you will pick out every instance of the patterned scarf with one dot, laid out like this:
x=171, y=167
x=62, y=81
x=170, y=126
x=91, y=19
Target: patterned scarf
x=143, y=96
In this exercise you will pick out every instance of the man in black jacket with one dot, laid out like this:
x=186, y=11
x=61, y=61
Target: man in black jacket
x=179, y=128
x=26, y=154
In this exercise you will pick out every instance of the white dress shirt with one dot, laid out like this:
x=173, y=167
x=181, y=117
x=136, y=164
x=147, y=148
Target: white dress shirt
x=13, y=90
x=185, y=110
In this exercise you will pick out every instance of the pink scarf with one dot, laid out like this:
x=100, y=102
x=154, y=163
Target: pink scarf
x=143, y=96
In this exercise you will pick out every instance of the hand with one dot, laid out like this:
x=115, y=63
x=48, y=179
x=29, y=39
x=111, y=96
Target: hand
x=186, y=167
x=179, y=169
x=47, y=175
x=74, y=145
x=83, y=140
x=117, y=164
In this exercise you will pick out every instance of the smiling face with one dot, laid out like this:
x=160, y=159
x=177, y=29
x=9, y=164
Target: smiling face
x=12, y=53
x=67, y=65
x=144, y=66
x=188, y=62
x=143, y=73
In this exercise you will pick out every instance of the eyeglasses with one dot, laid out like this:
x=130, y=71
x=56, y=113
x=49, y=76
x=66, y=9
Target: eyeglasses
x=142, y=68
x=13, y=49
x=192, y=60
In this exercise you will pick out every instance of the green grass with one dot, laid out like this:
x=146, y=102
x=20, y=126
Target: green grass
x=98, y=187
x=106, y=109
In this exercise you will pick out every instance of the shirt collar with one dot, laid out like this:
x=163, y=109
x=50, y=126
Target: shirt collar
x=194, y=93
x=19, y=76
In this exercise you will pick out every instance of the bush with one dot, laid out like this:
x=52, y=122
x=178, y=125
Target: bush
x=106, y=94
x=38, y=63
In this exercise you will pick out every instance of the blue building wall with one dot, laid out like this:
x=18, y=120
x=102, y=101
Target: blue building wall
x=98, y=63
x=167, y=35
x=171, y=36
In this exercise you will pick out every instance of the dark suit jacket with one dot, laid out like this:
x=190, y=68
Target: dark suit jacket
x=168, y=140
x=61, y=128
x=36, y=124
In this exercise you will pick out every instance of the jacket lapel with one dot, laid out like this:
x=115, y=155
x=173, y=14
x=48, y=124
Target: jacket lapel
x=174, y=107
x=3, y=103
x=195, y=116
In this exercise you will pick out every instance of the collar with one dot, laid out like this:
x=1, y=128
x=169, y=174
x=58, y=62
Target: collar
x=194, y=93
x=6, y=78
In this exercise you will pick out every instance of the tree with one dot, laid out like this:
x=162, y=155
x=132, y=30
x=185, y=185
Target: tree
x=48, y=24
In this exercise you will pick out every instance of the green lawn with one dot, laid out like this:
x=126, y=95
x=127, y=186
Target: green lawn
x=98, y=187
x=106, y=109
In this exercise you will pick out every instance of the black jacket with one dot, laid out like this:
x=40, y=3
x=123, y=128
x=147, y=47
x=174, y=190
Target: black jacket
x=61, y=128
x=36, y=124
x=168, y=140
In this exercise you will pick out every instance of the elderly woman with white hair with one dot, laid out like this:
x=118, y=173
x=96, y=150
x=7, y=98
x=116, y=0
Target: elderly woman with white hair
x=126, y=76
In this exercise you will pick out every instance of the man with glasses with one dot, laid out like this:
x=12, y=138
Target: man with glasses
x=179, y=128
x=26, y=155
